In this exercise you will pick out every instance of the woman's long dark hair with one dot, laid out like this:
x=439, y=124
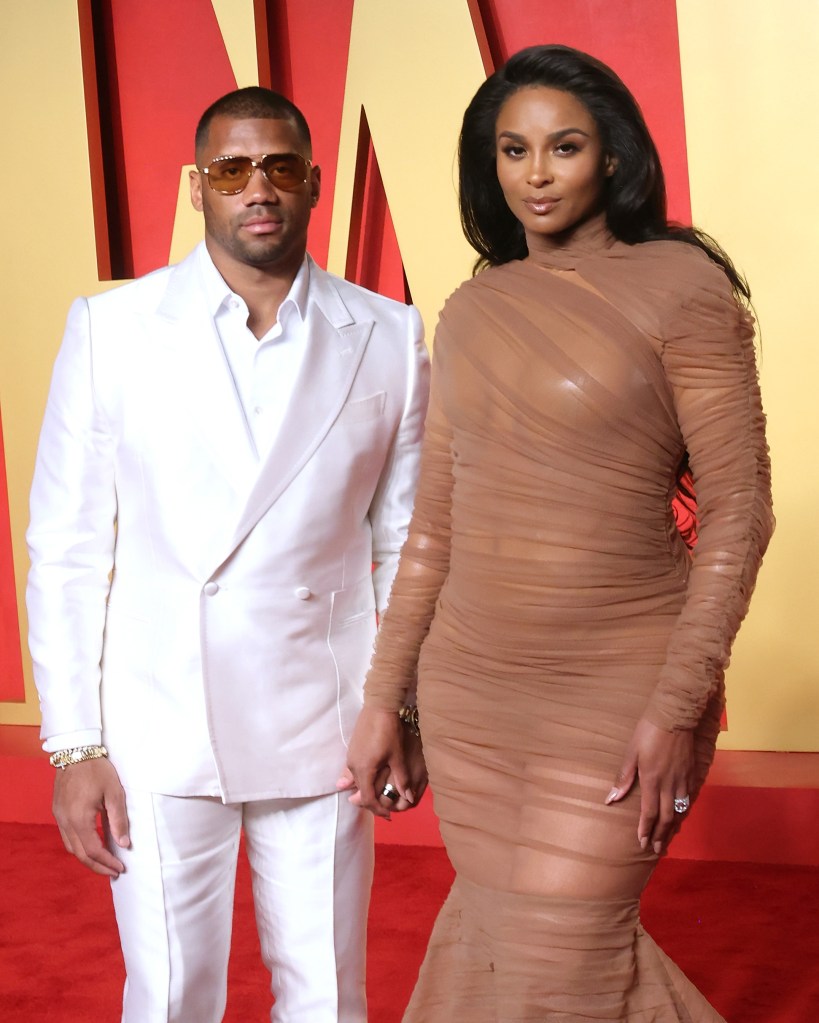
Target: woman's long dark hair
x=635, y=201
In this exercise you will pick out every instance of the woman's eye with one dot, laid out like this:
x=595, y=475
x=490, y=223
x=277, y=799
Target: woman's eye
x=514, y=150
x=566, y=148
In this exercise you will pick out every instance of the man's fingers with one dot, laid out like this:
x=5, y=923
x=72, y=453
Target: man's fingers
x=397, y=805
x=117, y=815
x=400, y=779
x=83, y=793
x=391, y=797
x=89, y=849
x=101, y=861
x=377, y=753
x=66, y=841
x=346, y=781
x=371, y=794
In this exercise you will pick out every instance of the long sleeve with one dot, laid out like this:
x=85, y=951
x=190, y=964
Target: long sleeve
x=392, y=503
x=423, y=565
x=71, y=541
x=708, y=357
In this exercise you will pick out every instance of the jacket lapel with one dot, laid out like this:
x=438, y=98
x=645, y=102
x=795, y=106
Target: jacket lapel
x=197, y=366
x=335, y=346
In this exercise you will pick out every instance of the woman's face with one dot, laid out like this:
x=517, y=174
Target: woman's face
x=550, y=161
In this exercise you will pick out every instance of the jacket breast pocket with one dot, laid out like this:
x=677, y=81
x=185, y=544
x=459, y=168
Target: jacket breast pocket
x=363, y=409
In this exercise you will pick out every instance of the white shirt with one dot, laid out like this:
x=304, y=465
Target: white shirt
x=264, y=370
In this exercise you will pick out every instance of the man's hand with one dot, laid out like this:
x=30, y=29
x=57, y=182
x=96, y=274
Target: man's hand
x=664, y=763
x=82, y=793
x=382, y=750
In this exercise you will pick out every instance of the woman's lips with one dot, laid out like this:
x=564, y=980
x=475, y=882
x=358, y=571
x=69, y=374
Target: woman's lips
x=540, y=206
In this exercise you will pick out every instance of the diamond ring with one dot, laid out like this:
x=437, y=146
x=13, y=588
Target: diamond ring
x=681, y=804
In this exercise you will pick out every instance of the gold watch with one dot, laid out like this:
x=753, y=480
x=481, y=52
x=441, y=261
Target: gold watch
x=63, y=757
x=408, y=717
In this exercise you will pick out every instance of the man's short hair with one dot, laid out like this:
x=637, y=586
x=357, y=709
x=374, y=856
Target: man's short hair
x=252, y=102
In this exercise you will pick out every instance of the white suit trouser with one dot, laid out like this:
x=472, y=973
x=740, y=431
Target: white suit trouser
x=311, y=862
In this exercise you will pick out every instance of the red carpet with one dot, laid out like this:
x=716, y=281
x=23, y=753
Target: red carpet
x=745, y=934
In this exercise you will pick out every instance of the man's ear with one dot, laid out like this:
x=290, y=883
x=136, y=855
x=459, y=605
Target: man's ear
x=195, y=179
x=315, y=185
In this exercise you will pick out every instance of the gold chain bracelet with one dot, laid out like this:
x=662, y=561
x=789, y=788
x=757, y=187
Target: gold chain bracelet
x=62, y=758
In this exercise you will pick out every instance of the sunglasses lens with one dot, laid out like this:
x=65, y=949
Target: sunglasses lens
x=230, y=176
x=286, y=171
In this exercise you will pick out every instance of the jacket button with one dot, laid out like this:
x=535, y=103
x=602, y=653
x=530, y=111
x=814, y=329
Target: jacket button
x=304, y=593
x=210, y=589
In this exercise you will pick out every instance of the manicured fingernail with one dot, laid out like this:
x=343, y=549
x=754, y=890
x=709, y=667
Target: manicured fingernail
x=644, y=842
x=658, y=847
x=409, y=795
x=611, y=796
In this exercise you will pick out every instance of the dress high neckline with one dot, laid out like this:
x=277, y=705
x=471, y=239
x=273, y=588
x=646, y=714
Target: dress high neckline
x=566, y=250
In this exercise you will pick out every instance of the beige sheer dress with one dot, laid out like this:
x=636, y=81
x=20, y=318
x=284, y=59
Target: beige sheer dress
x=547, y=602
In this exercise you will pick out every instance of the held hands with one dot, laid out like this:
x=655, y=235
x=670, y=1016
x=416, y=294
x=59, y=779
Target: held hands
x=382, y=751
x=82, y=792
x=664, y=763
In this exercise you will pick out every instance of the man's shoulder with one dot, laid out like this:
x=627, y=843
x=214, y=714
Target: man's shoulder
x=142, y=292
x=361, y=300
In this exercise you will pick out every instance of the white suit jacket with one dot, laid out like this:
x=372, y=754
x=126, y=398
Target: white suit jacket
x=192, y=604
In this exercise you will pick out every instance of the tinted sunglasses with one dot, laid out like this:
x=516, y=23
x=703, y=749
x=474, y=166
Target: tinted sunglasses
x=230, y=174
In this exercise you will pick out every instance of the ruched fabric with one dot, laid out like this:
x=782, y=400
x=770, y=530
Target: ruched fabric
x=547, y=602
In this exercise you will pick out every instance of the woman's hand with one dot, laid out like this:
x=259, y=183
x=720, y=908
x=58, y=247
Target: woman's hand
x=383, y=750
x=664, y=763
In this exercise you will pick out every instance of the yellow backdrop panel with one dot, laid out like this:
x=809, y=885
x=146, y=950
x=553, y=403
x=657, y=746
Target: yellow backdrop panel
x=48, y=254
x=751, y=94
x=413, y=67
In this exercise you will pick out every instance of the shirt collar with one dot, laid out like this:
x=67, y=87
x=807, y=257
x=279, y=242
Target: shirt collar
x=218, y=293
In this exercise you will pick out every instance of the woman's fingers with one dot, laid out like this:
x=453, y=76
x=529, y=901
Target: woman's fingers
x=624, y=780
x=663, y=763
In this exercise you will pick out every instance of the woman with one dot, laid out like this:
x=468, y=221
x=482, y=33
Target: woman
x=569, y=651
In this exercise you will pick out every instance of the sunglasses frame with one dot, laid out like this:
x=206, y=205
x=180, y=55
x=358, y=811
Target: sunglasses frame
x=257, y=165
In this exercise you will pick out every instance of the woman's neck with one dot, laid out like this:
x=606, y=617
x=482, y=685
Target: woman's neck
x=566, y=249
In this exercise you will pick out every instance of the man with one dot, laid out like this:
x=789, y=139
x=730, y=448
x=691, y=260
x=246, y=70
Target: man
x=229, y=445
